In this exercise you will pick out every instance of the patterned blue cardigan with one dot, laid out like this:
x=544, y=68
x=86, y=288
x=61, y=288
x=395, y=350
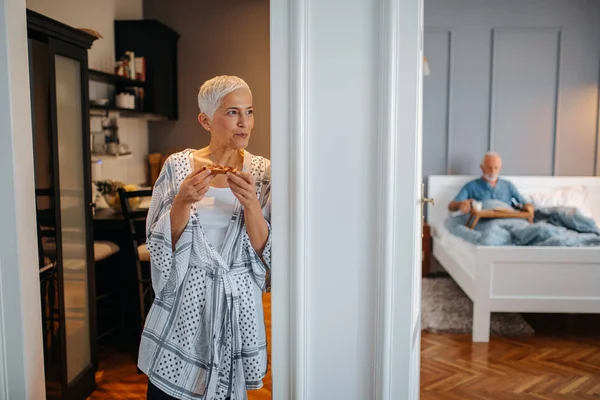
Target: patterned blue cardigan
x=204, y=337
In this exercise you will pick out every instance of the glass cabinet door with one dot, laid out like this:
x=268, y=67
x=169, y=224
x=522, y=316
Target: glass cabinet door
x=73, y=214
x=58, y=79
x=47, y=217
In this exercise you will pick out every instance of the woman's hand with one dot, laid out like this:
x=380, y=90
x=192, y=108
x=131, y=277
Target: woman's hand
x=243, y=187
x=194, y=187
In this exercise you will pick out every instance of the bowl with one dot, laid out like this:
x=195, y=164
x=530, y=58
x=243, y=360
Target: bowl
x=114, y=202
x=100, y=102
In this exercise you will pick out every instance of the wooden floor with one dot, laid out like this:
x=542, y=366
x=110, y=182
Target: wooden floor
x=561, y=361
x=117, y=377
x=537, y=367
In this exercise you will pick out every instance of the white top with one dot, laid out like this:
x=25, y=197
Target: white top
x=214, y=212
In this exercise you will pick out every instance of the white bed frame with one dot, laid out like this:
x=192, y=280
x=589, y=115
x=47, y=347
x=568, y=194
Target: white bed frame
x=519, y=279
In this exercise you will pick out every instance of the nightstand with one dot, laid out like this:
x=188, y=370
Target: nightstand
x=426, y=250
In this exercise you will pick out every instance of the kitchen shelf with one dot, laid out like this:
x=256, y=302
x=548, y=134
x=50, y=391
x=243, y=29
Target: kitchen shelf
x=108, y=157
x=112, y=79
x=157, y=43
x=125, y=113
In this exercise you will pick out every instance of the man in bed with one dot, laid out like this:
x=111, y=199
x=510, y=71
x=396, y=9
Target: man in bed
x=488, y=187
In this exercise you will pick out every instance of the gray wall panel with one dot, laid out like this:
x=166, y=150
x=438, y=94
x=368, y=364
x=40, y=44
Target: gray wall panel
x=470, y=100
x=436, y=135
x=539, y=99
x=523, y=98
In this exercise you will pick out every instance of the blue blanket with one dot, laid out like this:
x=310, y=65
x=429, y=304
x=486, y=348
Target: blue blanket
x=557, y=226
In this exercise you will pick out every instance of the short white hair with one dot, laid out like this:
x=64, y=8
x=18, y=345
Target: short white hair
x=213, y=90
x=490, y=154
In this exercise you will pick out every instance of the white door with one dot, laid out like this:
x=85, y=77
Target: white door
x=409, y=203
x=419, y=196
x=420, y=200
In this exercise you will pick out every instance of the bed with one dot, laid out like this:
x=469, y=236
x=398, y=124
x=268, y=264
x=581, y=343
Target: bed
x=517, y=278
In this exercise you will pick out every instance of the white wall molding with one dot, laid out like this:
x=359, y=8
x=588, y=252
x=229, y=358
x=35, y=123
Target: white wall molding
x=401, y=70
x=289, y=141
x=3, y=359
x=299, y=192
x=388, y=125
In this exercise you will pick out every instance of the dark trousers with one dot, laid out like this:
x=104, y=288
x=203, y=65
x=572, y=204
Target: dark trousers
x=155, y=393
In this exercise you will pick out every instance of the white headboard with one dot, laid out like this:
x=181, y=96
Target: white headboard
x=443, y=188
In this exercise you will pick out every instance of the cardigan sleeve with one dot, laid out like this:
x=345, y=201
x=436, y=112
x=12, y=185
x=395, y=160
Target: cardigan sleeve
x=261, y=263
x=168, y=266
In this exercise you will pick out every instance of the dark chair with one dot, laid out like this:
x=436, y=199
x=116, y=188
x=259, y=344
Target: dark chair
x=136, y=220
x=48, y=270
x=106, y=257
x=110, y=318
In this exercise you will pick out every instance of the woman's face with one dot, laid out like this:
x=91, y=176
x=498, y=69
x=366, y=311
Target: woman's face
x=232, y=122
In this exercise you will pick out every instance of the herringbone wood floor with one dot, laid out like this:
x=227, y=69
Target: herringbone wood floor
x=562, y=361
x=536, y=367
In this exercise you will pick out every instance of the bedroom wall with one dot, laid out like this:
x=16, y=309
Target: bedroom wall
x=517, y=77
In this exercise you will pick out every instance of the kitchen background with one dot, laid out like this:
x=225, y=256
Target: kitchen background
x=200, y=57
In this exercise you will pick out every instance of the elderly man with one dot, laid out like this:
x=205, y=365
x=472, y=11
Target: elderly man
x=488, y=187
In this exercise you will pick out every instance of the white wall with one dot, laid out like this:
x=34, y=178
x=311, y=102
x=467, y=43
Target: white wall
x=21, y=353
x=344, y=144
x=97, y=15
x=342, y=117
x=100, y=16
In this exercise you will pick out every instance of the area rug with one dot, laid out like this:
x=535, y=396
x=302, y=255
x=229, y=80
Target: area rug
x=447, y=309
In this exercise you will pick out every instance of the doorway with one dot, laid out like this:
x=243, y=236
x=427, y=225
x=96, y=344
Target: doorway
x=390, y=339
x=505, y=78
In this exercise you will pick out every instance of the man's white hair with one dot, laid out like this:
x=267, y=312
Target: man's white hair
x=490, y=154
x=213, y=90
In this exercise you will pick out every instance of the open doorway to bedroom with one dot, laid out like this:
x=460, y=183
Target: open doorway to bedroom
x=507, y=305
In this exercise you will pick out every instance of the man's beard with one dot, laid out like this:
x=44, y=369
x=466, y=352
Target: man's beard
x=491, y=177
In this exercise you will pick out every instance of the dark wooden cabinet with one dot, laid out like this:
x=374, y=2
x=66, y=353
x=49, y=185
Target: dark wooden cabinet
x=157, y=43
x=58, y=74
x=426, y=247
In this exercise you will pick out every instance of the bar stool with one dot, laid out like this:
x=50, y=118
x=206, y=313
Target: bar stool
x=49, y=297
x=109, y=289
x=104, y=249
x=133, y=218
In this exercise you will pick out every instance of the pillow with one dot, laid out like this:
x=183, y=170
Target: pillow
x=573, y=196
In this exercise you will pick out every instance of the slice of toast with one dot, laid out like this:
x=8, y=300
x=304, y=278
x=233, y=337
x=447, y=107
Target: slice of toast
x=219, y=169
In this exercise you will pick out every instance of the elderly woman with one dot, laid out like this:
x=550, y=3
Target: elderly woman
x=209, y=240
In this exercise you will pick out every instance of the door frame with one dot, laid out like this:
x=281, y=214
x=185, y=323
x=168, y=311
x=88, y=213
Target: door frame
x=21, y=359
x=21, y=352
x=401, y=59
